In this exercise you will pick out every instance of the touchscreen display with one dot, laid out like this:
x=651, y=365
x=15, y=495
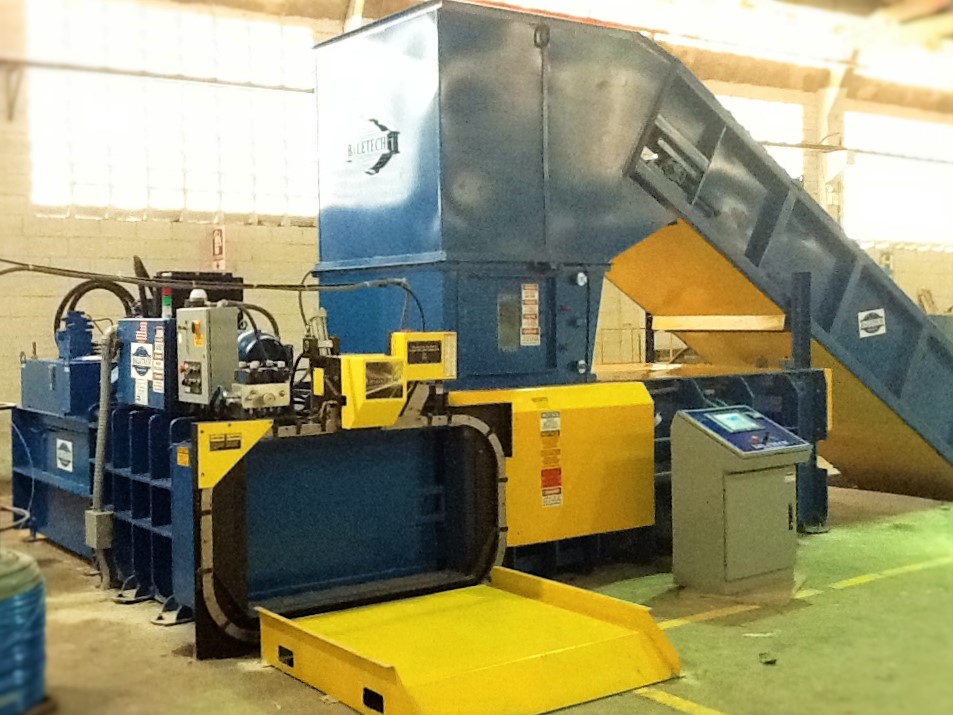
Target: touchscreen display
x=735, y=421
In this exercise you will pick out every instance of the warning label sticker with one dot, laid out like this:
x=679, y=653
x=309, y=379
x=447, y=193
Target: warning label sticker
x=530, y=335
x=551, y=480
x=549, y=422
x=158, y=362
x=550, y=454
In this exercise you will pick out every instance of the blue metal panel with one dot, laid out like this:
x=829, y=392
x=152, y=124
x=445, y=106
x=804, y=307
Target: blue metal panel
x=54, y=480
x=182, y=527
x=593, y=138
x=153, y=543
x=491, y=138
x=474, y=300
x=601, y=88
x=342, y=509
x=147, y=365
x=391, y=86
x=58, y=387
x=56, y=514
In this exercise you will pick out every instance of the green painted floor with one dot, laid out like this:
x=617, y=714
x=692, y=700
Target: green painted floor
x=883, y=645
x=880, y=646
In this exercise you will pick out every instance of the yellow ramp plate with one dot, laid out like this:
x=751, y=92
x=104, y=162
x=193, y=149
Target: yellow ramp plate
x=516, y=646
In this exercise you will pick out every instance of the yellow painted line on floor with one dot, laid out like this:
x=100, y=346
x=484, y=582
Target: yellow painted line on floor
x=676, y=703
x=886, y=573
x=805, y=593
x=708, y=615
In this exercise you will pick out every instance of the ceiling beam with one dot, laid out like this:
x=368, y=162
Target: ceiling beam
x=354, y=17
x=905, y=10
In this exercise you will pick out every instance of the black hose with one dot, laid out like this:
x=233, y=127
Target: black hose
x=76, y=293
x=294, y=370
x=304, y=317
x=420, y=306
x=258, y=309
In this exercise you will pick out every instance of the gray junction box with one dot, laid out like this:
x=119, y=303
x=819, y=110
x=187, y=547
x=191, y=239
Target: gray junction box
x=734, y=501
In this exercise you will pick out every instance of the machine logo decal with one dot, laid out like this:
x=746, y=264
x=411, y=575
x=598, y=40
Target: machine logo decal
x=64, y=455
x=140, y=361
x=374, y=149
x=871, y=323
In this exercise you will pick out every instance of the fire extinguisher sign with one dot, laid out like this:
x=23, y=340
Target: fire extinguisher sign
x=218, y=248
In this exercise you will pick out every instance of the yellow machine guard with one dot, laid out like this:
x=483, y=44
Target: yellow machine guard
x=864, y=431
x=518, y=645
x=583, y=459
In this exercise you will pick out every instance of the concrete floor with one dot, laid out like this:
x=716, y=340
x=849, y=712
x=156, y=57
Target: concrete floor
x=882, y=644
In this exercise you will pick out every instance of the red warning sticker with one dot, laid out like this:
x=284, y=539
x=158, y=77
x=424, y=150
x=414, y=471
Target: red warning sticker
x=552, y=484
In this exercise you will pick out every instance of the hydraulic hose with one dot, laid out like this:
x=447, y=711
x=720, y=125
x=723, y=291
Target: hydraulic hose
x=148, y=305
x=75, y=294
x=258, y=309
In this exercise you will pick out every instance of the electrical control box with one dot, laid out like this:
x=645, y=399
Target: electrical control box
x=427, y=356
x=734, y=500
x=206, y=338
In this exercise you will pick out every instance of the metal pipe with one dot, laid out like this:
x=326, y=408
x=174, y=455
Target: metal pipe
x=831, y=148
x=800, y=320
x=142, y=74
x=102, y=434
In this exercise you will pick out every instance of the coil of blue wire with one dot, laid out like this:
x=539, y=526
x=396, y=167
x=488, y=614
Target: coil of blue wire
x=22, y=631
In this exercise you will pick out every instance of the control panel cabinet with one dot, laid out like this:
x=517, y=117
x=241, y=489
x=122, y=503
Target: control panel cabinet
x=207, y=351
x=734, y=501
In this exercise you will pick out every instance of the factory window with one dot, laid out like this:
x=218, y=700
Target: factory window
x=188, y=140
x=769, y=121
x=903, y=168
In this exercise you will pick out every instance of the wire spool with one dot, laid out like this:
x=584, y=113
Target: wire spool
x=22, y=630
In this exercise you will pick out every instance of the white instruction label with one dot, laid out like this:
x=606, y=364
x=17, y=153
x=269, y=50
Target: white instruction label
x=450, y=356
x=871, y=323
x=530, y=335
x=64, y=455
x=549, y=422
x=142, y=392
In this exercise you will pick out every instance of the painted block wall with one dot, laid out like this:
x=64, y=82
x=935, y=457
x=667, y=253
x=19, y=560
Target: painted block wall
x=259, y=253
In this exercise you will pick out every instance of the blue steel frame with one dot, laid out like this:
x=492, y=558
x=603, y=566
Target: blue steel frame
x=572, y=143
x=149, y=491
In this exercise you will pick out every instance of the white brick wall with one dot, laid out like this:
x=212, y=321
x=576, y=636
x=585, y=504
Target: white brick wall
x=916, y=270
x=27, y=302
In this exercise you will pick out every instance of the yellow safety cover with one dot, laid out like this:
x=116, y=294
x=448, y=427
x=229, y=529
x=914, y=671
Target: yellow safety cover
x=583, y=459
